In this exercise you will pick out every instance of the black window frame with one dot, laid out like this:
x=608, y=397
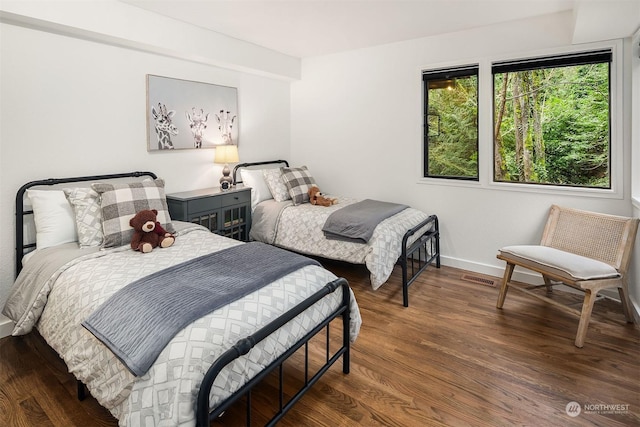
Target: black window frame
x=446, y=74
x=555, y=61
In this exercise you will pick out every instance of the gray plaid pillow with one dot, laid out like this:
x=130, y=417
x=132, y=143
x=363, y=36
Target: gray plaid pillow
x=298, y=182
x=120, y=202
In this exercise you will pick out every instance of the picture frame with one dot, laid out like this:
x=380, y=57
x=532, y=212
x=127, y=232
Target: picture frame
x=183, y=114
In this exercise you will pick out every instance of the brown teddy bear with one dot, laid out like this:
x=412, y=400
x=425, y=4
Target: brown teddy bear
x=317, y=198
x=148, y=233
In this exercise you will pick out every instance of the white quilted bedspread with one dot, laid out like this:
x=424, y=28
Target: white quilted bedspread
x=165, y=395
x=300, y=229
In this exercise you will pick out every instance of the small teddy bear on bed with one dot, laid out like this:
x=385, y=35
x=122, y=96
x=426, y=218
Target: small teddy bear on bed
x=148, y=233
x=317, y=198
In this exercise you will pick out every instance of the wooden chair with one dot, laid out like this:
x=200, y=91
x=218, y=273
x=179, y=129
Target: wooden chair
x=585, y=250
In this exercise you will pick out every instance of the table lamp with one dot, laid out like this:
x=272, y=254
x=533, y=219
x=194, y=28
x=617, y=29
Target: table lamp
x=226, y=154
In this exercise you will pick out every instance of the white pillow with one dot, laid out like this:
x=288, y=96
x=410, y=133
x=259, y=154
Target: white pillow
x=254, y=178
x=577, y=266
x=54, y=218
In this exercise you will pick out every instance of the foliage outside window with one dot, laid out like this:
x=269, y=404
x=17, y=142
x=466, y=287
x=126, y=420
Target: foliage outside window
x=552, y=120
x=451, y=123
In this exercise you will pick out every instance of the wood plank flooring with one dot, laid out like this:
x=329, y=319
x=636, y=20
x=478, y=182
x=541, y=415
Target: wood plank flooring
x=450, y=359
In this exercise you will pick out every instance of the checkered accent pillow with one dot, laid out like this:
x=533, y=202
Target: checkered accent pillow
x=278, y=190
x=298, y=182
x=120, y=202
x=86, y=206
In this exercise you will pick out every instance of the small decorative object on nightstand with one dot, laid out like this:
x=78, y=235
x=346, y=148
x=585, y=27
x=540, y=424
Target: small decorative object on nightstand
x=227, y=213
x=226, y=154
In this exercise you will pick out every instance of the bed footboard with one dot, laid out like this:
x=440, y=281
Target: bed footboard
x=243, y=346
x=417, y=257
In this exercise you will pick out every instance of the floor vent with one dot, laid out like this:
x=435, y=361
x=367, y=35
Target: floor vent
x=479, y=280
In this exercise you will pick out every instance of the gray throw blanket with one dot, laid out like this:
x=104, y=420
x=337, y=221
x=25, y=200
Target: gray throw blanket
x=138, y=321
x=356, y=222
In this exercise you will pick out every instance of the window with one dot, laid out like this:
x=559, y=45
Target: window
x=552, y=120
x=451, y=123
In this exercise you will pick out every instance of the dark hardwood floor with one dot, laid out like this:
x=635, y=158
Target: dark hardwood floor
x=450, y=359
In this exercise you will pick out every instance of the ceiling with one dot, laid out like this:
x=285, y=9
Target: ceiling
x=305, y=28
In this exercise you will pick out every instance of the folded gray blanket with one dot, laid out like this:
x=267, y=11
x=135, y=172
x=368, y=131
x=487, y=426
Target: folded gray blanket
x=138, y=321
x=356, y=222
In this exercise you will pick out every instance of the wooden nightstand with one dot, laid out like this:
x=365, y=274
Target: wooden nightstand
x=227, y=213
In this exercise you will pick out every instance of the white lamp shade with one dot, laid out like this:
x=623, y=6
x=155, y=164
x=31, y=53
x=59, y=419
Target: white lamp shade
x=226, y=154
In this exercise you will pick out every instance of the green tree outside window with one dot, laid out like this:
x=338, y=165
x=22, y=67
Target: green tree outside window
x=552, y=121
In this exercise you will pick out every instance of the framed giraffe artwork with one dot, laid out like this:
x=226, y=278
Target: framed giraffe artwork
x=183, y=114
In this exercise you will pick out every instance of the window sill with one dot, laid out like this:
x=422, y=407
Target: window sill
x=528, y=188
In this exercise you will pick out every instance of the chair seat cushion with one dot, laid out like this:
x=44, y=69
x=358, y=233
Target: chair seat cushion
x=575, y=267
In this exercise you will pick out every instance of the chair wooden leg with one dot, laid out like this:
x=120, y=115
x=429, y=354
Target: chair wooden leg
x=508, y=272
x=585, y=316
x=626, y=306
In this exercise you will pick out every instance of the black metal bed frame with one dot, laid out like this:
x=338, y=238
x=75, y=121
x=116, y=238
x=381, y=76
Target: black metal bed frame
x=21, y=246
x=417, y=257
x=243, y=346
x=414, y=259
x=203, y=413
x=247, y=165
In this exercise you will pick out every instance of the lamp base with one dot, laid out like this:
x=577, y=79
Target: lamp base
x=226, y=181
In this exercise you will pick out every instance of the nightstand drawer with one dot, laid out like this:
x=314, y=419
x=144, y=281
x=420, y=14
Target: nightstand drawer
x=224, y=213
x=203, y=204
x=236, y=198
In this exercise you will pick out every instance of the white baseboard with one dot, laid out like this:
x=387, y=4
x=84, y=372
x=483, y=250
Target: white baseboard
x=491, y=270
x=635, y=308
x=6, y=327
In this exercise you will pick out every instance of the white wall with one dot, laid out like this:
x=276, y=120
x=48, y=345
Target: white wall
x=357, y=124
x=71, y=107
x=634, y=53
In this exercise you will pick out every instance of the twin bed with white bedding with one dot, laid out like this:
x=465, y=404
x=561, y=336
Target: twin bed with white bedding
x=212, y=360
x=282, y=216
